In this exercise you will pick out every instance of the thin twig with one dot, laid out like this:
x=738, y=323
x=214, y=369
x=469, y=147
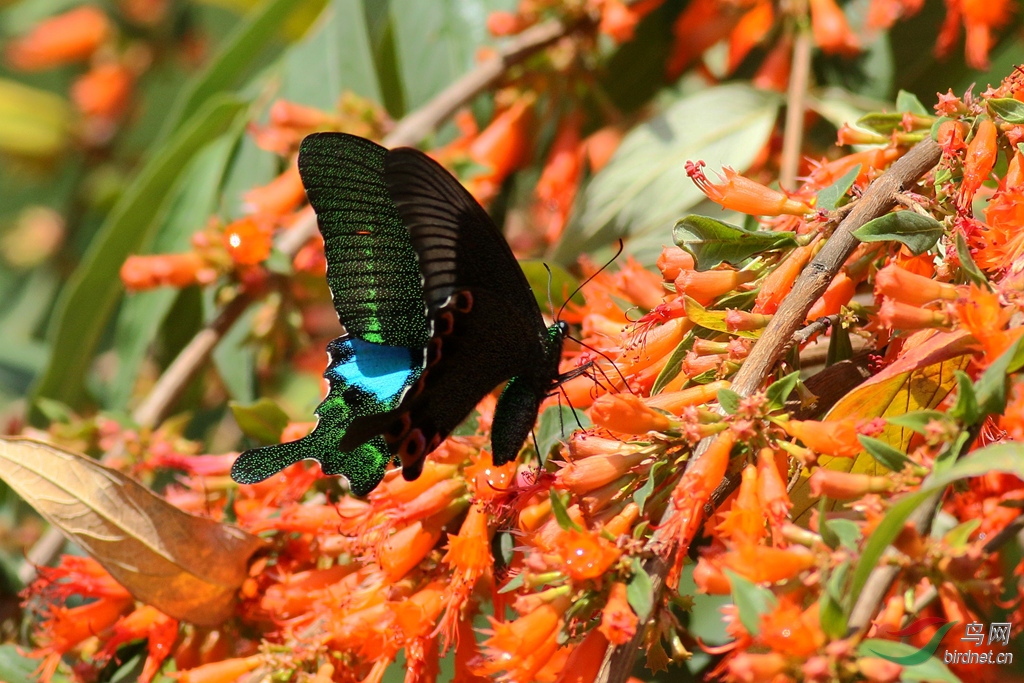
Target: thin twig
x=796, y=106
x=812, y=283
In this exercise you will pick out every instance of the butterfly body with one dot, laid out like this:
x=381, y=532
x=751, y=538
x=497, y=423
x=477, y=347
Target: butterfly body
x=437, y=314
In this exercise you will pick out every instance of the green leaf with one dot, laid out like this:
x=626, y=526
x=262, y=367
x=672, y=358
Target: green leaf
x=436, y=42
x=263, y=420
x=966, y=407
x=959, y=536
x=645, y=186
x=1008, y=109
x=640, y=592
x=515, y=582
x=917, y=419
x=907, y=101
x=918, y=233
x=931, y=669
x=839, y=346
x=882, y=123
x=191, y=202
x=967, y=265
x=729, y=400
x=16, y=668
x=884, y=454
x=778, y=391
x=829, y=198
x=845, y=531
x=751, y=601
x=712, y=242
x=235, y=357
x=674, y=364
x=641, y=495
x=1008, y=458
x=827, y=532
x=333, y=58
x=833, y=612
x=990, y=389
x=554, y=425
x=86, y=302
x=560, y=511
x=562, y=285
x=234, y=60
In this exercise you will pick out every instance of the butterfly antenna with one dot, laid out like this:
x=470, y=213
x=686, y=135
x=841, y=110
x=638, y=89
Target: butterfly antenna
x=618, y=252
x=607, y=358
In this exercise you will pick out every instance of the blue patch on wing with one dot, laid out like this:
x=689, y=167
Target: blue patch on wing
x=381, y=371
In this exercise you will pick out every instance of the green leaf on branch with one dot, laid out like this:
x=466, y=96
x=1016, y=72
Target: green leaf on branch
x=751, y=601
x=263, y=420
x=829, y=198
x=917, y=232
x=967, y=265
x=713, y=242
x=1008, y=109
x=640, y=592
x=561, y=512
x=778, y=391
x=908, y=102
x=884, y=454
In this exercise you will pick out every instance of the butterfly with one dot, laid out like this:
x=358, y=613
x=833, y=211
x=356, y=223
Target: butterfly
x=436, y=311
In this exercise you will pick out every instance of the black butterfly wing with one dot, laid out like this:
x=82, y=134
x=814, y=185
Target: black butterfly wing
x=371, y=264
x=485, y=324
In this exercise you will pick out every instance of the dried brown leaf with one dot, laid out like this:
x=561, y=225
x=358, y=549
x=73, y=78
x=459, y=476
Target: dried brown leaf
x=186, y=566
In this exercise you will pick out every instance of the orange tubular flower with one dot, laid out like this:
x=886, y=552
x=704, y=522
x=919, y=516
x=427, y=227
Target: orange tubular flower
x=744, y=520
x=777, y=284
x=617, y=21
x=702, y=24
x=523, y=646
x=772, y=488
x=226, y=671
x=628, y=414
x=584, y=662
x=247, y=242
x=838, y=294
x=878, y=670
x=750, y=31
x=674, y=401
x=763, y=564
x=585, y=555
x=104, y=92
x=584, y=476
x=894, y=315
x=63, y=39
x=951, y=137
x=673, y=261
x=618, y=622
x=773, y=74
x=159, y=630
x=978, y=163
x=910, y=288
x=981, y=18
x=501, y=147
x=601, y=145
x=847, y=485
x=837, y=438
x=788, y=630
x=747, y=666
x=745, y=195
x=403, y=550
x=556, y=189
x=704, y=286
x=709, y=577
x=165, y=270
x=984, y=317
x=831, y=30
x=279, y=197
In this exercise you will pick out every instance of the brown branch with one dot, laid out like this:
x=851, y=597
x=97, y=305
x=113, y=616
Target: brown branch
x=796, y=106
x=878, y=200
